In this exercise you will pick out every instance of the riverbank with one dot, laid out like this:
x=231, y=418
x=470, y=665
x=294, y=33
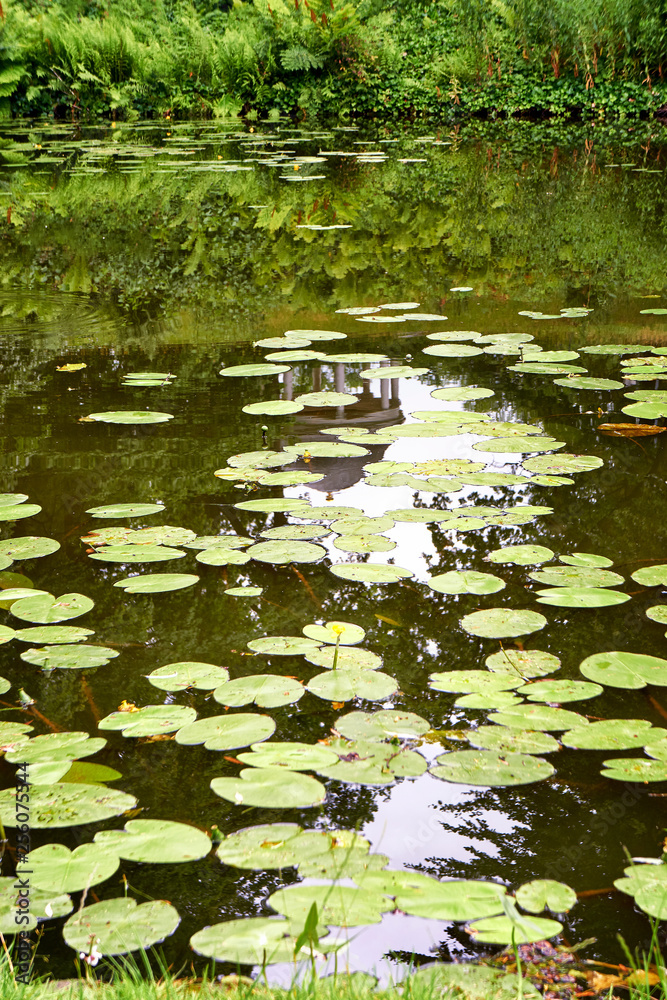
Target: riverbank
x=353, y=58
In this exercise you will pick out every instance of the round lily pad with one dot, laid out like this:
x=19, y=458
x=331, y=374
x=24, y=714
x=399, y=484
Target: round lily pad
x=523, y=445
x=281, y=552
x=70, y=657
x=521, y=555
x=291, y=756
x=610, y=734
x=651, y=576
x=550, y=357
x=248, y=371
x=157, y=841
x=250, y=941
x=15, y=512
x=576, y=576
x=126, y=510
x=266, y=690
x=534, y=368
x=345, y=657
x=521, y=930
x=283, y=645
x=469, y=681
x=562, y=464
x=420, y=515
x=296, y=532
x=364, y=543
x=486, y=768
x=386, y=724
x=136, y=553
x=222, y=555
x=54, y=868
x=270, y=506
x=583, y=382
x=342, y=684
x=422, y=896
x=326, y=449
x=28, y=547
x=362, y=524
x=649, y=410
x=370, y=572
x=625, y=670
x=273, y=407
x=339, y=906
x=64, y=804
x=587, y=560
x=243, y=591
x=264, y=459
x=56, y=746
x=464, y=392
x=341, y=633
x=156, y=583
x=635, y=769
x=581, y=597
x=131, y=417
x=270, y=788
x=453, y=350
x=488, y=700
x=545, y=893
x=325, y=398
x=119, y=926
x=540, y=717
x=503, y=740
x=393, y=371
x=151, y=720
x=227, y=732
x=372, y=763
x=46, y=609
x=468, y=582
x=188, y=674
x=558, y=692
x=501, y=623
x=53, y=634
x=658, y=613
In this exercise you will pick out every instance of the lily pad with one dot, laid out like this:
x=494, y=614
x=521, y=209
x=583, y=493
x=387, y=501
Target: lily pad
x=136, y=553
x=69, y=657
x=243, y=591
x=265, y=459
x=523, y=445
x=266, y=690
x=53, y=634
x=582, y=382
x=489, y=769
x=151, y=720
x=273, y=407
x=501, y=623
x=557, y=692
x=554, y=465
x=18, y=511
x=422, y=896
x=521, y=555
x=651, y=576
x=453, y=350
x=540, y=717
x=157, y=841
x=283, y=645
x=576, y=576
x=658, y=613
x=270, y=788
x=468, y=582
x=472, y=681
x=226, y=732
x=43, y=906
x=341, y=633
x=463, y=392
x=65, y=804
x=296, y=532
x=635, y=769
x=580, y=597
x=326, y=398
x=488, y=700
x=611, y=734
x=281, y=552
x=521, y=930
x=386, y=724
x=503, y=740
x=370, y=572
x=119, y=926
x=28, y=547
x=250, y=941
x=346, y=657
x=56, y=746
x=270, y=506
x=131, y=417
x=188, y=674
x=222, y=555
x=339, y=906
x=54, y=868
x=326, y=449
x=421, y=515
x=291, y=756
x=126, y=510
x=625, y=670
x=364, y=543
x=368, y=762
x=546, y=893
x=345, y=683
x=156, y=583
x=648, y=885
x=393, y=371
x=46, y=609
x=248, y=371
x=534, y=368
x=586, y=559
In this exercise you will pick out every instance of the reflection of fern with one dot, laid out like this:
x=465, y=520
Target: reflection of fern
x=298, y=58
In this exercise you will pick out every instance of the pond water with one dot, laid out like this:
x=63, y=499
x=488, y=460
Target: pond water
x=472, y=253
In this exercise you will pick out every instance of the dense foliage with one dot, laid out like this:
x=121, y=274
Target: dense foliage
x=139, y=57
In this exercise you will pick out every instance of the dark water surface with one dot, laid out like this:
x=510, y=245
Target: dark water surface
x=211, y=258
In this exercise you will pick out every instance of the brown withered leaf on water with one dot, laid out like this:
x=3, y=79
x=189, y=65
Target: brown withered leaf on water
x=630, y=430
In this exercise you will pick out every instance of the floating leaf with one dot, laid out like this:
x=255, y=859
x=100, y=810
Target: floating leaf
x=243, y=591
x=456, y=393
x=468, y=582
x=326, y=398
x=18, y=511
x=156, y=583
x=635, y=769
x=273, y=407
x=250, y=941
x=151, y=720
x=295, y=355
x=270, y=788
x=226, y=732
x=421, y=515
x=534, y=368
x=519, y=930
x=557, y=692
x=157, y=841
x=291, y=756
x=586, y=559
x=131, y=417
x=631, y=430
x=357, y=358
x=28, y=547
x=565, y=464
x=69, y=657
x=488, y=700
x=493, y=770
x=53, y=634
x=368, y=762
x=56, y=746
x=647, y=883
x=550, y=357
x=345, y=683
x=521, y=555
x=422, y=896
x=247, y=371
x=510, y=445
x=364, y=543
x=394, y=371
x=341, y=633
x=265, y=459
x=503, y=740
x=469, y=681
x=542, y=894
x=658, y=613
x=326, y=449
x=581, y=597
x=340, y=906
x=625, y=670
x=281, y=552
x=222, y=555
x=54, y=868
x=651, y=576
x=346, y=657
x=501, y=623
x=64, y=805
x=370, y=572
x=126, y=510
x=540, y=717
x=188, y=674
x=452, y=350
x=611, y=734
x=266, y=690
x=119, y=926
x=576, y=575
x=386, y=724
x=270, y=506
x=283, y=645
x=296, y=532
x=582, y=382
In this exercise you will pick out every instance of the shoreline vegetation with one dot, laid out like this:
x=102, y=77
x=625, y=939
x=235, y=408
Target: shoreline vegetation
x=450, y=59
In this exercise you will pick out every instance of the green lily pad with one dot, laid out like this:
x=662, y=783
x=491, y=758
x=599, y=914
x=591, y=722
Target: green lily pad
x=56, y=747
x=554, y=465
x=422, y=896
x=12, y=499
x=551, y=481
x=488, y=700
x=326, y=449
x=281, y=552
x=136, y=553
x=295, y=355
x=364, y=543
x=325, y=398
x=357, y=358
x=151, y=720
x=224, y=541
x=625, y=670
x=243, y=591
x=534, y=368
x=339, y=906
x=222, y=555
x=43, y=906
x=473, y=681
x=521, y=930
x=651, y=576
x=582, y=382
x=609, y=349
x=503, y=428
x=46, y=609
x=226, y=732
x=576, y=576
x=341, y=633
x=329, y=513
x=119, y=926
x=345, y=683
x=649, y=411
x=658, y=613
x=64, y=805
x=453, y=350
x=559, y=692
x=635, y=769
x=550, y=357
x=523, y=445
x=587, y=560
x=468, y=582
x=265, y=459
x=188, y=674
x=362, y=525
x=370, y=572
x=386, y=724
x=247, y=371
x=648, y=885
x=270, y=788
x=502, y=740
x=250, y=941
x=540, y=717
x=291, y=756
x=273, y=407
x=346, y=657
x=581, y=597
x=366, y=762
x=489, y=769
x=546, y=893
x=126, y=510
x=69, y=657
x=296, y=532
x=53, y=634
x=501, y=623
x=463, y=392
x=18, y=511
x=156, y=583
x=28, y=547
x=521, y=555
x=157, y=841
x=265, y=690
x=611, y=734
x=164, y=534
x=54, y=868
x=131, y=417
x=283, y=645
x=393, y=371
x=4, y=685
